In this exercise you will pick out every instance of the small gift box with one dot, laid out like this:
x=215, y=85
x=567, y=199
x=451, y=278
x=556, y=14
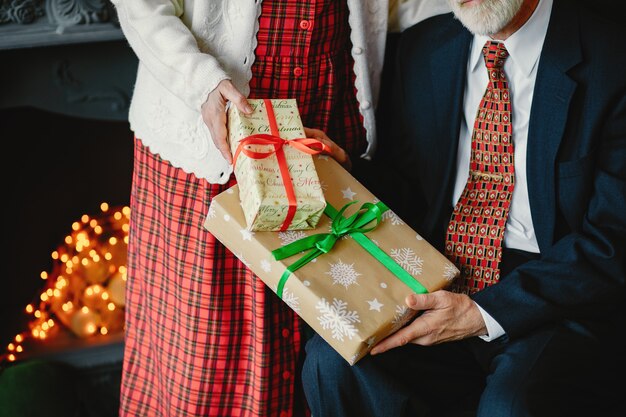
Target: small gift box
x=278, y=186
x=349, y=277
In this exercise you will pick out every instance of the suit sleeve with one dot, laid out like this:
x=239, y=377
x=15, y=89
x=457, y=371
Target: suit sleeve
x=582, y=276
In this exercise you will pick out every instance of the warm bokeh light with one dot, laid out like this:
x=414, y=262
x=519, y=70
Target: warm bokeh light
x=84, y=290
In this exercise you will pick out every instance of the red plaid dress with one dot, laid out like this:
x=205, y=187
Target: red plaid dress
x=204, y=336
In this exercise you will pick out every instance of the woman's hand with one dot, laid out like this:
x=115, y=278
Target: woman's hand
x=214, y=114
x=336, y=151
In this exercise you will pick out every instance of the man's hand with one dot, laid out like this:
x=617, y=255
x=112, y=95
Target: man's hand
x=214, y=114
x=446, y=317
x=336, y=151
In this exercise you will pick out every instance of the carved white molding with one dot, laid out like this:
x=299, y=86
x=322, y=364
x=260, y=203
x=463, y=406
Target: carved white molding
x=58, y=12
x=28, y=23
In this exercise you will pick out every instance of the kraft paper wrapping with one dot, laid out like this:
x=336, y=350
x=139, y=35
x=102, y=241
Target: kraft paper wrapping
x=261, y=188
x=346, y=295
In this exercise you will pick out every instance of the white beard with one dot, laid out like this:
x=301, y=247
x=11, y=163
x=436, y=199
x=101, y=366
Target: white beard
x=488, y=17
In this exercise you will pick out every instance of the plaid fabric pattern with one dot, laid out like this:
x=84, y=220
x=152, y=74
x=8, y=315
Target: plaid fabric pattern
x=303, y=52
x=204, y=336
x=476, y=229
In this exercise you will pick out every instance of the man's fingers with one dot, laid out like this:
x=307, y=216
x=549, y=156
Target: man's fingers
x=422, y=301
x=402, y=337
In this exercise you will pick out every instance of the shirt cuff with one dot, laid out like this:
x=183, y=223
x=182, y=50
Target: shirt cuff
x=494, y=330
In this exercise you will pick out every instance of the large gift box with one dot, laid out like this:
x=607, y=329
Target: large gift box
x=348, y=278
x=278, y=186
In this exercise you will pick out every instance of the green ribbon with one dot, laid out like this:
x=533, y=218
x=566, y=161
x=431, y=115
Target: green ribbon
x=354, y=226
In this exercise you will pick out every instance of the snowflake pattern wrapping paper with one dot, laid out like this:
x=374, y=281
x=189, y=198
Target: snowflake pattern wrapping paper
x=262, y=190
x=345, y=295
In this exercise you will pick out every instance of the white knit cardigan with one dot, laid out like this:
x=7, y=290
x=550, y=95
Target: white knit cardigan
x=185, y=48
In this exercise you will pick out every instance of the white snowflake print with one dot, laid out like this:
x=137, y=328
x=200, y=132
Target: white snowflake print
x=371, y=341
x=343, y=274
x=450, y=271
x=418, y=237
x=226, y=217
x=337, y=318
x=323, y=157
x=403, y=314
x=291, y=300
x=211, y=214
x=353, y=359
x=348, y=194
x=406, y=258
x=246, y=234
x=290, y=236
x=393, y=218
x=266, y=266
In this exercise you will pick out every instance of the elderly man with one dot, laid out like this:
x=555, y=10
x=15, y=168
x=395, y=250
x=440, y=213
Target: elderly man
x=511, y=132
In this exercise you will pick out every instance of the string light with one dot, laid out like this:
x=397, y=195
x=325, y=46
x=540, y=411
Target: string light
x=84, y=290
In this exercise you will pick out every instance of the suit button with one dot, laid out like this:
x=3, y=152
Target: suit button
x=305, y=24
x=297, y=71
x=366, y=105
x=357, y=51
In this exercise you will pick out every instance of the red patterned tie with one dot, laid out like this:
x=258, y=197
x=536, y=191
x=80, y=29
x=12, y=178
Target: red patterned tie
x=476, y=229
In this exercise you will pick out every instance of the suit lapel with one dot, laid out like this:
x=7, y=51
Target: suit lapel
x=448, y=80
x=553, y=92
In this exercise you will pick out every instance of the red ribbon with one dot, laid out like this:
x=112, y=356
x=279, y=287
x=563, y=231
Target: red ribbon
x=307, y=145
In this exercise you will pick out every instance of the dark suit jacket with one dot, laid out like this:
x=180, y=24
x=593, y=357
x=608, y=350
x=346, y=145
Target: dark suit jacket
x=576, y=163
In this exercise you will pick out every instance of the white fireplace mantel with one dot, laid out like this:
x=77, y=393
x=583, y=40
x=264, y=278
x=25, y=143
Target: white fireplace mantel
x=65, y=56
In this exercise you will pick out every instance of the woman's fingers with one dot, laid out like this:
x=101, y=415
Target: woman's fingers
x=337, y=152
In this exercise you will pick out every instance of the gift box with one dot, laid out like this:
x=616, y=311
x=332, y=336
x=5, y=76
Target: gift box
x=348, y=278
x=278, y=186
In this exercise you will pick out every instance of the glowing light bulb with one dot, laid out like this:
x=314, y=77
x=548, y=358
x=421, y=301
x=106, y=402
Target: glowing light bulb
x=111, y=306
x=113, y=240
x=43, y=275
x=75, y=226
x=29, y=308
x=105, y=295
x=108, y=256
x=11, y=357
x=37, y=313
x=11, y=346
x=85, y=309
x=44, y=298
x=19, y=349
x=84, y=218
x=19, y=338
x=117, y=215
x=104, y=330
x=55, y=255
x=93, y=223
x=98, y=230
x=68, y=239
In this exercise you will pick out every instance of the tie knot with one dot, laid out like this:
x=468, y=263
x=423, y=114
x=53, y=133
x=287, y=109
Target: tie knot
x=495, y=54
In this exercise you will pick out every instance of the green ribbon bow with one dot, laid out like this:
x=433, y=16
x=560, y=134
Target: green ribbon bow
x=354, y=226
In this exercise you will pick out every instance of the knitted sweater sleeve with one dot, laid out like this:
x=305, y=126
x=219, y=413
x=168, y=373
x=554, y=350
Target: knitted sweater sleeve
x=168, y=49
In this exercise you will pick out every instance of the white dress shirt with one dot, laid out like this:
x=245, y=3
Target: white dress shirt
x=524, y=47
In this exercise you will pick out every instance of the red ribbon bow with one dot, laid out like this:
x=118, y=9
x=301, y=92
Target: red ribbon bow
x=307, y=145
